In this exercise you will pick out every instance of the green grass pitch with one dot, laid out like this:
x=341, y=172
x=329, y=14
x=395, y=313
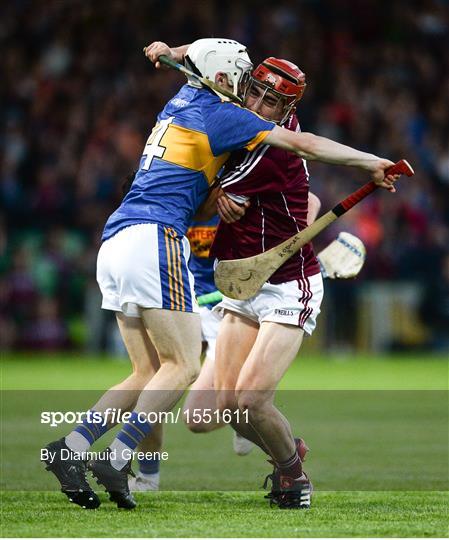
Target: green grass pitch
x=377, y=428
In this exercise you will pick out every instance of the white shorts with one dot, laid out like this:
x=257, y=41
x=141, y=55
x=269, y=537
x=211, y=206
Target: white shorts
x=145, y=266
x=293, y=302
x=210, y=321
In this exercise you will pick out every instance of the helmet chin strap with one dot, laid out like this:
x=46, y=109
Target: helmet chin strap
x=236, y=87
x=233, y=82
x=288, y=112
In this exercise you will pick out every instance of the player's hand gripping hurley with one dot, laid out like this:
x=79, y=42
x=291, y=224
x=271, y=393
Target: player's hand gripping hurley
x=242, y=278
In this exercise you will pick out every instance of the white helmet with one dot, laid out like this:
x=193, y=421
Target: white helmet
x=209, y=56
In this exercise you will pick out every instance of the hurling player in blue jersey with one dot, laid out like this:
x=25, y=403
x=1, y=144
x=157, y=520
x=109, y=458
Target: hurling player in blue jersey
x=142, y=263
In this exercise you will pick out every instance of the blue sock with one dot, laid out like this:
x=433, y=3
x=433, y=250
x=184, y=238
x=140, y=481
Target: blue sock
x=86, y=434
x=134, y=431
x=149, y=466
x=128, y=437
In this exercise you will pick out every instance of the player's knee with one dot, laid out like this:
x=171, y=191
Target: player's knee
x=188, y=372
x=252, y=401
x=181, y=373
x=226, y=400
x=196, y=427
x=143, y=375
x=191, y=425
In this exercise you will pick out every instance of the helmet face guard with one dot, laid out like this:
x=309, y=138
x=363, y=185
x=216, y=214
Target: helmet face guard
x=241, y=80
x=280, y=79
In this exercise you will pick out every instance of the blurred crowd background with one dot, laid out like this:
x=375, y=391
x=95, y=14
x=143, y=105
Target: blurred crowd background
x=78, y=99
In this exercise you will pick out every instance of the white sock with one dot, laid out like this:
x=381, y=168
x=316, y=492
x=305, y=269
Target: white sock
x=76, y=442
x=119, y=461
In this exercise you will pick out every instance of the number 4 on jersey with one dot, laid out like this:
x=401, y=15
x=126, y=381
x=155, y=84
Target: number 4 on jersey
x=152, y=148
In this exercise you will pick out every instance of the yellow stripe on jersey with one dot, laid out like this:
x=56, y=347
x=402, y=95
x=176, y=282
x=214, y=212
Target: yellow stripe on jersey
x=191, y=149
x=170, y=280
x=257, y=140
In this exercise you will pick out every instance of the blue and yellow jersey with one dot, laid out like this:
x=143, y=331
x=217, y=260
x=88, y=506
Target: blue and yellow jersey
x=201, y=235
x=192, y=139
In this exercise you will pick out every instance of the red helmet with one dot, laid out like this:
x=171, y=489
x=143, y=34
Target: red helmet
x=282, y=78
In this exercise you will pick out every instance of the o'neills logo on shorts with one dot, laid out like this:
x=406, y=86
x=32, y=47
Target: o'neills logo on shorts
x=284, y=312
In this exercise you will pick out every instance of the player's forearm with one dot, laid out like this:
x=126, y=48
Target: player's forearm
x=179, y=52
x=314, y=147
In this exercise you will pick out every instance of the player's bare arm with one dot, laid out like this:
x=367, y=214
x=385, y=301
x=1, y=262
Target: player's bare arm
x=314, y=147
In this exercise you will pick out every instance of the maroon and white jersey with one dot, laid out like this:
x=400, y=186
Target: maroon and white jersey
x=277, y=184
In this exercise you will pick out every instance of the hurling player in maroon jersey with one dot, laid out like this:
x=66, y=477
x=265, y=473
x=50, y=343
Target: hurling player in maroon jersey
x=259, y=338
x=306, y=297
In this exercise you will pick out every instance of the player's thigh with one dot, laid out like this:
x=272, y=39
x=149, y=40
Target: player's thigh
x=143, y=355
x=274, y=350
x=236, y=337
x=176, y=335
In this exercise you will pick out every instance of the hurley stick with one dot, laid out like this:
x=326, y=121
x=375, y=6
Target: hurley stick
x=242, y=278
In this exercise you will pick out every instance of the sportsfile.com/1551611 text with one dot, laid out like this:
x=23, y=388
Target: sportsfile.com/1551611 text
x=116, y=416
